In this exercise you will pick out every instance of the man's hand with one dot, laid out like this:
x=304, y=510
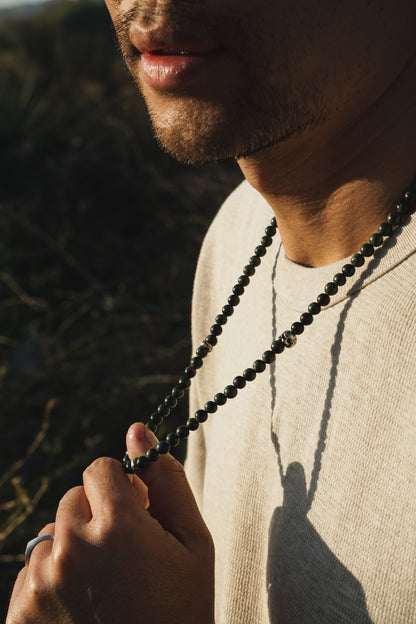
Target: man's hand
x=113, y=562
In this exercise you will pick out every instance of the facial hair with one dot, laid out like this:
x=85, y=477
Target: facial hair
x=268, y=107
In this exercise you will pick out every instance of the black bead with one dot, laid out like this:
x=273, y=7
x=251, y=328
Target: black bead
x=367, y=250
x=410, y=196
x=196, y=362
x=400, y=208
x=163, y=410
x=172, y=439
x=259, y=366
x=376, y=239
x=273, y=222
x=255, y=260
x=348, y=270
x=233, y=300
x=323, y=299
x=244, y=280
x=385, y=229
x=394, y=218
x=314, y=308
x=277, y=346
x=238, y=289
x=170, y=401
x=139, y=463
x=182, y=431
x=221, y=319
x=239, y=382
x=162, y=447
x=184, y=382
x=210, y=407
x=156, y=418
x=249, y=374
x=227, y=310
x=331, y=288
x=201, y=416
x=266, y=241
x=260, y=251
x=270, y=230
x=249, y=270
x=152, y=454
x=211, y=339
x=190, y=371
x=192, y=424
x=177, y=392
x=220, y=398
x=230, y=392
x=201, y=352
x=268, y=357
x=339, y=279
x=216, y=330
x=151, y=426
x=357, y=260
x=306, y=318
x=126, y=463
x=297, y=328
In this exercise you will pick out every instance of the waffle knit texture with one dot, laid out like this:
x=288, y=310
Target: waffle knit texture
x=307, y=478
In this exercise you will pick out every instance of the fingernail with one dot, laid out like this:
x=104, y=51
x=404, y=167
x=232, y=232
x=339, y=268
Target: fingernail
x=136, y=432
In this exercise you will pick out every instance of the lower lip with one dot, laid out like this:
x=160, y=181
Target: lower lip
x=170, y=73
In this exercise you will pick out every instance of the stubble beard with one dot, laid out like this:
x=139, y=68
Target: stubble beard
x=267, y=109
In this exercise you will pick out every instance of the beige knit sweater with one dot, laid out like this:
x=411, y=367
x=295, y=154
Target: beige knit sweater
x=307, y=480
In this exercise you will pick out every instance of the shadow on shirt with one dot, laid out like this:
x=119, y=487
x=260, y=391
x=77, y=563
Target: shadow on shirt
x=306, y=582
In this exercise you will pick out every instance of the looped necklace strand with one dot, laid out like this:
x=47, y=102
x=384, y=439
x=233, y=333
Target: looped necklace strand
x=286, y=340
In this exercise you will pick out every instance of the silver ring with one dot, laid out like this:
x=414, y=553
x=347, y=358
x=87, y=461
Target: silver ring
x=34, y=542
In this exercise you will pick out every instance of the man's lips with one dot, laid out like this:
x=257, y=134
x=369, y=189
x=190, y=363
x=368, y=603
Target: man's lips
x=171, y=61
x=173, y=69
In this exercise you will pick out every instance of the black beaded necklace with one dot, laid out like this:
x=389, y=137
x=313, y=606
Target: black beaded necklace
x=287, y=340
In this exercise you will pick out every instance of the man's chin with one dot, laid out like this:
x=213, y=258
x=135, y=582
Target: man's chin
x=198, y=148
x=193, y=155
x=192, y=147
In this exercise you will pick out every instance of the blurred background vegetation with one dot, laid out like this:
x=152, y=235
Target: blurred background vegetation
x=99, y=236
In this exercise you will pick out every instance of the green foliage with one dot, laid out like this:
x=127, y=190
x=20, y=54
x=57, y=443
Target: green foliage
x=99, y=238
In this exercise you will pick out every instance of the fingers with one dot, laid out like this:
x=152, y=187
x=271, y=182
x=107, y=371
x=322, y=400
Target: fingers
x=171, y=500
x=141, y=490
x=41, y=550
x=111, y=492
x=49, y=529
x=73, y=506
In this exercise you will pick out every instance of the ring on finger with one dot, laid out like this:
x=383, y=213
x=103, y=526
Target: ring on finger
x=34, y=542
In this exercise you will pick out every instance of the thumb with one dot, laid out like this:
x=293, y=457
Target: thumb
x=171, y=500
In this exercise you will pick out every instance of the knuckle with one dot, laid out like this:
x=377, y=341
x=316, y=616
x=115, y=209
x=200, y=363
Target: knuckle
x=99, y=465
x=70, y=497
x=48, y=529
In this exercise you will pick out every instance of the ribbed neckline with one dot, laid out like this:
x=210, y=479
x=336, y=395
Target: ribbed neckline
x=297, y=286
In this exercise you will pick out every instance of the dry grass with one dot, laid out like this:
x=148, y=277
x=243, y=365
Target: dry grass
x=100, y=235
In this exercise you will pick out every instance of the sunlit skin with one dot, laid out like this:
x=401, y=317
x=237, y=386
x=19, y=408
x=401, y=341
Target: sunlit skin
x=329, y=89
x=316, y=100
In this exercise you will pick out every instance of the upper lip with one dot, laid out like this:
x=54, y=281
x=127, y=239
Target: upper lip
x=156, y=40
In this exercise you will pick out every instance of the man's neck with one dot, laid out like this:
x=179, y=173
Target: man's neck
x=330, y=189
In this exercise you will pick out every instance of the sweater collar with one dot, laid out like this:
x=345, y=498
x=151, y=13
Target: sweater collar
x=297, y=285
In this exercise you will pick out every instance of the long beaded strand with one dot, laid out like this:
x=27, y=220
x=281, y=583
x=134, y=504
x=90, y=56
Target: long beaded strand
x=287, y=339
